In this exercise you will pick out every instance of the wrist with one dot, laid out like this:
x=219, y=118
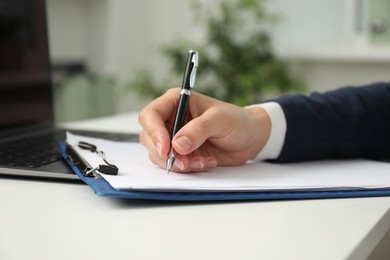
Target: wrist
x=260, y=129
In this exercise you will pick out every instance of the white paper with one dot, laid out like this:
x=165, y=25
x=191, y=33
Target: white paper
x=136, y=172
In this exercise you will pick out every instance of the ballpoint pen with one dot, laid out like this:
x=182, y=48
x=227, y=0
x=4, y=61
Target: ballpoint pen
x=185, y=93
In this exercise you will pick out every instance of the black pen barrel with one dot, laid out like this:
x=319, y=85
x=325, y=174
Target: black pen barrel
x=181, y=113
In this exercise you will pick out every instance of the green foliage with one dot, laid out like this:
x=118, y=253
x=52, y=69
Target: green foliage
x=236, y=62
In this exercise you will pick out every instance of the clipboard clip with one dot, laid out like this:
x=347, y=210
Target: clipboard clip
x=84, y=167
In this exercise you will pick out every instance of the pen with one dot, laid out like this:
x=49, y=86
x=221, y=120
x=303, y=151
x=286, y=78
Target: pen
x=185, y=93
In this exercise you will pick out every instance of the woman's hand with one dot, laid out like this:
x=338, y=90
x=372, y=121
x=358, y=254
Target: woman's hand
x=216, y=132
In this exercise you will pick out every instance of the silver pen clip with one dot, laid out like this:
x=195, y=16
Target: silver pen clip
x=194, y=60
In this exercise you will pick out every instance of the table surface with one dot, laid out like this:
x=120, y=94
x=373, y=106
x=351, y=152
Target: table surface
x=66, y=220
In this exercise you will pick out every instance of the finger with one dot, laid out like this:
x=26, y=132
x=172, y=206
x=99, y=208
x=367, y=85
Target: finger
x=153, y=119
x=147, y=142
x=153, y=151
x=156, y=160
x=198, y=163
x=193, y=163
x=185, y=164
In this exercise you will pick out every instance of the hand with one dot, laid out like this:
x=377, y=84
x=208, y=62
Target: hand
x=216, y=132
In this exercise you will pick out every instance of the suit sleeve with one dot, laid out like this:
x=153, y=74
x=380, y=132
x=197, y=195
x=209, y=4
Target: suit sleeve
x=351, y=122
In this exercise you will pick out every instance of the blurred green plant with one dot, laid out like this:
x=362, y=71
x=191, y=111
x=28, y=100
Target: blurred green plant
x=237, y=63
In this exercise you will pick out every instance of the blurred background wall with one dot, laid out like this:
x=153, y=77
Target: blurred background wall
x=97, y=45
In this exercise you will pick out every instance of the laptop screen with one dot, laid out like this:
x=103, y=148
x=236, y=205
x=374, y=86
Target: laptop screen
x=25, y=84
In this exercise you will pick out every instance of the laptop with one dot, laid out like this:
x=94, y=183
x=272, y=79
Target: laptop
x=27, y=133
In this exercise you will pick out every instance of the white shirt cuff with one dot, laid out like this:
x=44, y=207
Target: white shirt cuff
x=275, y=142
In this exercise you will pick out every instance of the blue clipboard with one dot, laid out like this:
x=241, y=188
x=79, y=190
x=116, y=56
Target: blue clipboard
x=102, y=188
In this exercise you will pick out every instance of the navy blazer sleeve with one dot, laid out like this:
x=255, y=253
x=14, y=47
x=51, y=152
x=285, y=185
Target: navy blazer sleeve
x=351, y=122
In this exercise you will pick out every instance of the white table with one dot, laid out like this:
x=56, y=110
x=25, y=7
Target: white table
x=53, y=220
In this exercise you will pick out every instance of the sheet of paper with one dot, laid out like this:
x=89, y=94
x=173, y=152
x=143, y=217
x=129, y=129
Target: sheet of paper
x=137, y=172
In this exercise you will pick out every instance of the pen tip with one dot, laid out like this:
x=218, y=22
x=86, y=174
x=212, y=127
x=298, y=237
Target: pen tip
x=170, y=164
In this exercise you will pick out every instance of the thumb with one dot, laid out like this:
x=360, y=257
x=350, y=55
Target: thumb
x=192, y=135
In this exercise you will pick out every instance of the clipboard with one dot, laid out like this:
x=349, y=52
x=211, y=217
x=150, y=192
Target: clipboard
x=102, y=188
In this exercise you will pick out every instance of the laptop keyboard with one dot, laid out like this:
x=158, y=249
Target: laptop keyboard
x=29, y=152
x=38, y=150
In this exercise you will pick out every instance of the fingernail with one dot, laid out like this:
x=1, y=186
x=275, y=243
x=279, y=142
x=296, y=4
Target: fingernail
x=211, y=163
x=184, y=143
x=178, y=164
x=195, y=164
